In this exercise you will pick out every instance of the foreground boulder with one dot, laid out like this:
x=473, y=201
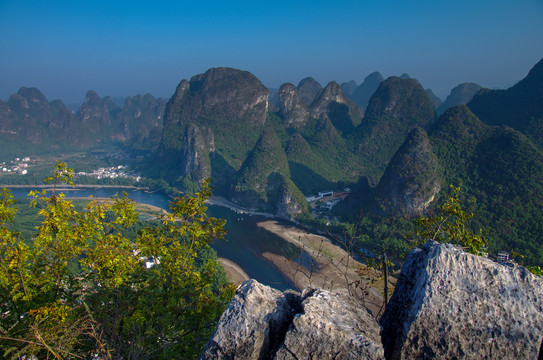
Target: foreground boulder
x=452, y=305
x=263, y=323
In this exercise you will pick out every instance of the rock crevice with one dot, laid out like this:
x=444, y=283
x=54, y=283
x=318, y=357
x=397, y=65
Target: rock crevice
x=447, y=304
x=263, y=323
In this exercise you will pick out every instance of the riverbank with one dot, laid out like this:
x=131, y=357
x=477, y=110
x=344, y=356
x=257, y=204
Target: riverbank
x=68, y=187
x=325, y=265
x=233, y=271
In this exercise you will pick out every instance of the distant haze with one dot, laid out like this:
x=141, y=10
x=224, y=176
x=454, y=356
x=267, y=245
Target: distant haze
x=123, y=48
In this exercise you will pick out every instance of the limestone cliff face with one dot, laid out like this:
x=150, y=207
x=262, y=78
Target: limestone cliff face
x=231, y=104
x=263, y=323
x=31, y=112
x=142, y=119
x=199, y=143
x=94, y=113
x=449, y=304
x=291, y=202
x=291, y=106
x=309, y=89
x=34, y=104
x=343, y=112
x=62, y=118
x=411, y=180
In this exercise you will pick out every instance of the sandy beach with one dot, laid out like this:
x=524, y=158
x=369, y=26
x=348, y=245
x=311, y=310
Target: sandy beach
x=327, y=266
x=234, y=272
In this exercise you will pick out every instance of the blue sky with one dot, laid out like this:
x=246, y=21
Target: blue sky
x=124, y=48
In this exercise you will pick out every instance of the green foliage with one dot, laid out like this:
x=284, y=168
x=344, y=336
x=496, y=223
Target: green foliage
x=536, y=270
x=263, y=172
x=397, y=107
x=81, y=287
x=501, y=175
x=451, y=225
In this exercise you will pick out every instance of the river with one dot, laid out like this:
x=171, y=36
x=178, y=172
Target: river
x=244, y=244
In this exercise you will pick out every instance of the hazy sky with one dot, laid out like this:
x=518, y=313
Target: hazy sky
x=122, y=48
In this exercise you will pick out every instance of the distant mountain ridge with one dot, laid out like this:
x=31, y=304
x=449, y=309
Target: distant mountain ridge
x=460, y=95
x=29, y=117
x=362, y=94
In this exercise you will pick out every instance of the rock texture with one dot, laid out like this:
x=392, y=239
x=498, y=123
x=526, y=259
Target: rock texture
x=231, y=104
x=291, y=106
x=449, y=304
x=199, y=144
x=263, y=323
x=230, y=93
x=95, y=112
x=331, y=326
x=343, y=112
x=142, y=119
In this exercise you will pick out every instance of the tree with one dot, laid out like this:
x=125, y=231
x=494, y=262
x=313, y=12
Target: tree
x=450, y=225
x=81, y=287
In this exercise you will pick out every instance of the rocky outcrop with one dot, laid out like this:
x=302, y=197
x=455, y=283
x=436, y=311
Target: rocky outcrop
x=460, y=95
x=309, y=89
x=411, y=179
x=263, y=323
x=291, y=106
x=449, y=304
x=198, y=145
x=291, y=202
x=231, y=103
x=342, y=111
x=94, y=113
x=142, y=118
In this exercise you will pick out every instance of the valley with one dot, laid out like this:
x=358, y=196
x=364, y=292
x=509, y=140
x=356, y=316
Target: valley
x=269, y=151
